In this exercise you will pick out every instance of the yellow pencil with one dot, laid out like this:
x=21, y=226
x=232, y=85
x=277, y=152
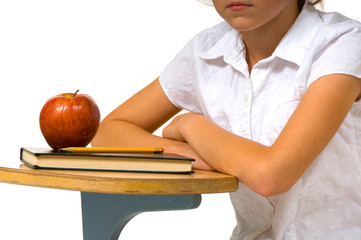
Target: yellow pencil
x=112, y=150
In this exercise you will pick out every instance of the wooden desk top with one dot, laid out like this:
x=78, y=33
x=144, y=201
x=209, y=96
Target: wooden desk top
x=121, y=182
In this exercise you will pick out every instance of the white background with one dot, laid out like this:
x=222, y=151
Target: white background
x=108, y=49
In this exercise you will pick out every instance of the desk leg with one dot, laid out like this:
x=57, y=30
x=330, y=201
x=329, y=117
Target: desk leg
x=105, y=215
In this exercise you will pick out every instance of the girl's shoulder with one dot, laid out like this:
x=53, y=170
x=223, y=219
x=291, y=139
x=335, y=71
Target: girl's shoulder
x=212, y=39
x=335, y=47
x=213, y=34
x=219, y=29
x=331, y=18
x=335, y=24
x=334, y=33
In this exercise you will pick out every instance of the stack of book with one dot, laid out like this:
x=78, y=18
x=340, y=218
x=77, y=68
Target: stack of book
x=152, y=160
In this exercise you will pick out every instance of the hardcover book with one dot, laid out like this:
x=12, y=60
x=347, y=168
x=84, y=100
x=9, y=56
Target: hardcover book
x=46, y=158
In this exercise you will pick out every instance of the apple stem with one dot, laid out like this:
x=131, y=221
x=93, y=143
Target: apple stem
x=76, y=92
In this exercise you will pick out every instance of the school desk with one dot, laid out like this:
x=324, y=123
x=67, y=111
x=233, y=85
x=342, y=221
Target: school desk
x=111, y=199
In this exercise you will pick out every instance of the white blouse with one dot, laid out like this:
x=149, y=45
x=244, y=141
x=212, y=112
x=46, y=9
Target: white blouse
x=210, y=76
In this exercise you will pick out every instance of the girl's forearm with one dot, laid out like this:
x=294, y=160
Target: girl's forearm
x=255, y=165
x=122, y=133
x=227, y=152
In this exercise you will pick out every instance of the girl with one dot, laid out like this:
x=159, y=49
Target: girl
x=272, y=95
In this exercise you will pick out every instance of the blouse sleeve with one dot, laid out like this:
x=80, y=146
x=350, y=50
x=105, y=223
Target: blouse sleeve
x=341, y=54
x=178, y=79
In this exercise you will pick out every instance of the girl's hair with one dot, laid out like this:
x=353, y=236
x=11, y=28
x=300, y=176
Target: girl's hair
x=302, y=2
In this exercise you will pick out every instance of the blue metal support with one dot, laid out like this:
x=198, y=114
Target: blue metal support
x=105, y=215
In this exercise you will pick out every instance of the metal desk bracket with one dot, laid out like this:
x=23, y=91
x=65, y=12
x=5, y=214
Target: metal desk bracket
x=105, y=215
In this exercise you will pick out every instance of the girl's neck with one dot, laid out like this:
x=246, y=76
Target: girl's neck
x=262, y=41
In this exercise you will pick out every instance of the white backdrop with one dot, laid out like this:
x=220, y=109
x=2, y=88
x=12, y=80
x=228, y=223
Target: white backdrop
x=109, y=50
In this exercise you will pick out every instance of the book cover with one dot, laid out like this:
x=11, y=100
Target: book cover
x=46, y=158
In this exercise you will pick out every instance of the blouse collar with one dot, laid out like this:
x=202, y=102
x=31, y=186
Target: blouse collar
x=292, y=47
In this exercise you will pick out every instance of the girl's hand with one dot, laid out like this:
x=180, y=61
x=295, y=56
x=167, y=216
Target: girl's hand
x=176, y=127
x=174, y=131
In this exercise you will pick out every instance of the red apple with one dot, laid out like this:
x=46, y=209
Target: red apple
x=69, y=120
